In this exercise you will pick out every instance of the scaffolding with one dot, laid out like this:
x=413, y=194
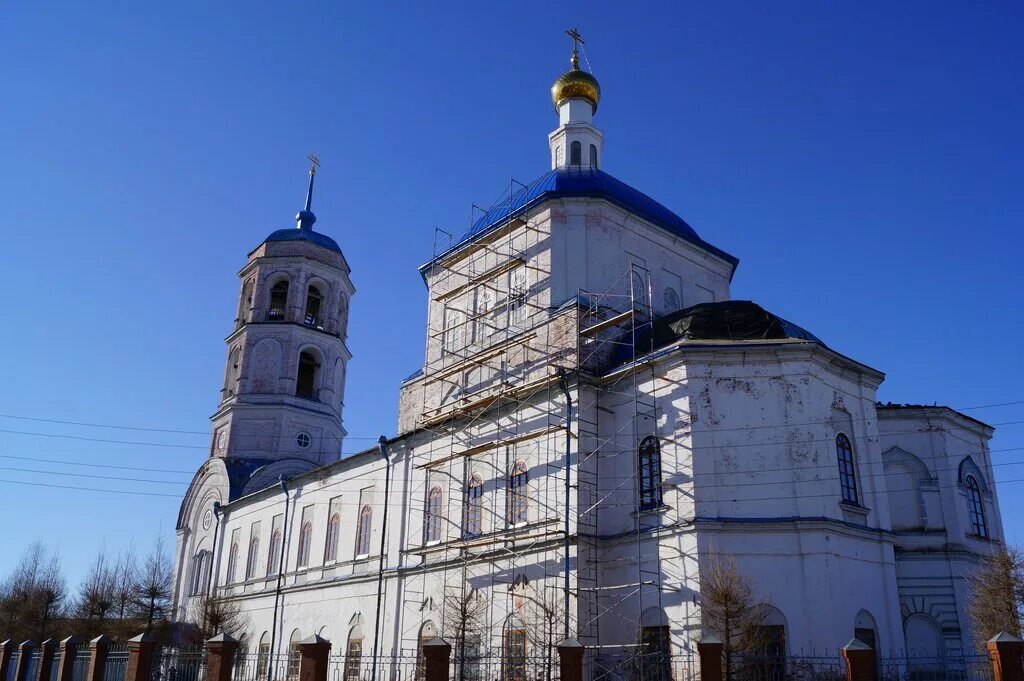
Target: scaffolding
x=506, y=501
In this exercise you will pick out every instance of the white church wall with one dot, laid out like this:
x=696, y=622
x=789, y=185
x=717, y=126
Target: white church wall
x=594, y=243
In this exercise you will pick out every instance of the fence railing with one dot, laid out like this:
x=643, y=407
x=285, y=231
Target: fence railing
x=142, y=659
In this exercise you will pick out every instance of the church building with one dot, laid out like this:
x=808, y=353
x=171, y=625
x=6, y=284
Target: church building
x=595, y=422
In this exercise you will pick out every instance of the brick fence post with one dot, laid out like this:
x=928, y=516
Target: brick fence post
x=1005, y=651
x=570, y=660
x=314, y=653
x=437, y=654
x=98, y=649
x=6, y=650
x=47, y=649
x=860, y=661
x=220, y=658
x=68, y=651
x=709, y=649
x=24, y=656
x=141, y=651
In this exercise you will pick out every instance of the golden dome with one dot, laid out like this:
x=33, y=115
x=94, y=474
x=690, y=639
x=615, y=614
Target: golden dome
x=576, y=83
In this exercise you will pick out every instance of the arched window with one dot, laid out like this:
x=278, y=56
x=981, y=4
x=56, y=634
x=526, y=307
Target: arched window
x=363, y=532
x=656, y=645
x=517, y=505
x=274, y=555
x=305, y=537
x=342, y=313
x=847, y=469
x=278, y=301
x=263, y=656
x=593, y=156
x=200, y=573
x=244, y=304
x=250, y=562
x=313, y=301
x=234, y=371
x=484, y=306
x=638, y=289
x=976, y=508
x=294, y=656
x=305, y=380
x=432, y=523
x=672, y=302
x=232, y=563
x=353, y=654
x=575, y=154
x=517, y=296
x=649, y=472
x=515, y=652
x=331, y=545
x=454, y=321
x=474, y=507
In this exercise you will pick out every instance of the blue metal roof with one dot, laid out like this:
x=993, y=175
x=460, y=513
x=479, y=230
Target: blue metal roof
x=299, y=234
x=584, y=182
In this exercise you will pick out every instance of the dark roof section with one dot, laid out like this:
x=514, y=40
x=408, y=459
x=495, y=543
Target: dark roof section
x=582, y=182
x=240, y=471
x=296, y=234
x=896, y=405
x=728, y=320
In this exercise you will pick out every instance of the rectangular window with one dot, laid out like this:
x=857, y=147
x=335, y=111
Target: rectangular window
x=353, y=659
x=517, y=294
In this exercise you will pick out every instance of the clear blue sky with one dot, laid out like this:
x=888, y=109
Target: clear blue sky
x=864, y=161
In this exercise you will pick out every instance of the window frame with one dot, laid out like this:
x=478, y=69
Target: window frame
x=305, y=543
x=279, y=291
x=364, y=531
x=847, y=464
x=331, y=540
x=516, y=654
x=432, y=515
x=648, y=471
x=518, y=494
x=232, y=563
x=276, y=541
x=474, y=524
x=976, y=508
x=252, y=558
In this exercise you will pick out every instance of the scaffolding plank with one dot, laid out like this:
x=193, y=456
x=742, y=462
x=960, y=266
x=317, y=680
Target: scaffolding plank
x=491, y=445
x=611, y=321
x=509, y=264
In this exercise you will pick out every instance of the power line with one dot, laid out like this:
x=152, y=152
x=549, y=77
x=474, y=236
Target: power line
x=90, y=424
x=98, y=477
x=95, y=465
x=90, y=489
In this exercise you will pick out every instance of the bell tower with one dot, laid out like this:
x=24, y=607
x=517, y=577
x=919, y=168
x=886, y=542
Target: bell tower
x=284, y=383
x=576, y=143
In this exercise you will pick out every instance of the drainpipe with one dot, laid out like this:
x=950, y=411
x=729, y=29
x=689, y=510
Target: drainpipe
x=563, y=382
x=212, y=587
x=382, y=447
x=280, y=574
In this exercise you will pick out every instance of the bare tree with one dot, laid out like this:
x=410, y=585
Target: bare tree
x=51, y=592
x=997, y=595
x=97, y=593
x=125, y=577
x=218, y=616
x=464, y=612
x=19, y=597
x=152, y=588
x=544, y=613
x=730, y=609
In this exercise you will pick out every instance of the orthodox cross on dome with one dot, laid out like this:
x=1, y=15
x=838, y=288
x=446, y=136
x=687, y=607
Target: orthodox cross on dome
x=305, y=218
x=577, y=40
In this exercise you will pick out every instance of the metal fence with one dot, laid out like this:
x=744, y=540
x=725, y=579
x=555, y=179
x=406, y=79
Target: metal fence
x=912, y=668
x=55, y=666
x=117, y=663
x=257, y=667
x=387, y=668
x=12, y=665
x=178, y=664
x=80, y=668
x=32, y=668
x=628, y=664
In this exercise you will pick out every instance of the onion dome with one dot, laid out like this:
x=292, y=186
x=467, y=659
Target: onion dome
x=576, y=83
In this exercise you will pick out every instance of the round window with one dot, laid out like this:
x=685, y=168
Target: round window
x=207, y=519
x=222, y=440
x=303, y=440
